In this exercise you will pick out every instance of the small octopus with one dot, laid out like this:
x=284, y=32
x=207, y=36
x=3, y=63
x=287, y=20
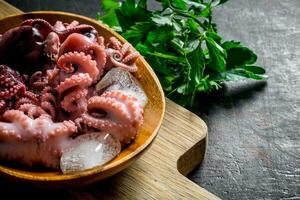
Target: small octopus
x=121, y=55
x=48, y=92
x=34, y=141
x=122, y=115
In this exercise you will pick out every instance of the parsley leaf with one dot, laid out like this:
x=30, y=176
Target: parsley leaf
x=180, y=41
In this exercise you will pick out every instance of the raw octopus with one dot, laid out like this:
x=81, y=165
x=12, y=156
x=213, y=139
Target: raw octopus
x=48, y=96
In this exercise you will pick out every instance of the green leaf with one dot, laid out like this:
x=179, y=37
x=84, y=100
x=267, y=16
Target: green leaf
x=137, y=33
x=244, y=73
x=161, y=20
x=142, y=4
x=238, y=55
x=191, y=45
x=161, y=35
x=167, y=82
x=193, y=26
x=128, y=8
x=110, y=18
x=180, y=4
x=196, y=61
x=254, y=69
x=160, y=66
x=195, y=4
x=182, y=89
x=231, y=44
x=217, y=55
x=124, y=23
x=208, y=85
x=130, y=13
x=205, y=12
x=108, y=5
x=212, y=34
x=143, y=48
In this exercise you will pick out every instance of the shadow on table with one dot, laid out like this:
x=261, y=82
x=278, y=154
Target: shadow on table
x=231, y=92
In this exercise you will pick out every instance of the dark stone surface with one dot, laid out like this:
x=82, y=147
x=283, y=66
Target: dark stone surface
x=254, y=141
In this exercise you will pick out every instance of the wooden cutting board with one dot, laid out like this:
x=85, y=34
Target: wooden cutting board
x=158, y=174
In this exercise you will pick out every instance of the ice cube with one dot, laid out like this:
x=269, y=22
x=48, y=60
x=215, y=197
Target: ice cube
x=120, y=79
x=88, y=151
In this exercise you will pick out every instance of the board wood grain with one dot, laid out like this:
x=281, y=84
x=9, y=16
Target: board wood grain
x=159, y=173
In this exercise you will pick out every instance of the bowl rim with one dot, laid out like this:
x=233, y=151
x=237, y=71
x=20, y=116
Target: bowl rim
x=98, y=169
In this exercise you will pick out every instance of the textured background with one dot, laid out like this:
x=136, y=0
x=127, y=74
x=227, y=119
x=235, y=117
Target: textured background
x=254, y=141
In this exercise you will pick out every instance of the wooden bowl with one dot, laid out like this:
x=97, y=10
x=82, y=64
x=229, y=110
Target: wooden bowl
x=153, y=115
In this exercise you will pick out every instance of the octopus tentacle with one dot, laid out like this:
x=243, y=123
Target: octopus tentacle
x=123, y=132
x=7, y=130
x=48, y=101
x=23, y=100
x=132, y=68
x=84, y=63
x=68, y=128
x=71, y=101
x=32, y=22
x=11, y=83
x=73, y=24
x=80, y=43
x=81, y=79
x=131, y=103
x=123, y=115
x=3, y=106
x=6, y=133
x=114, y=54
x=121, y=55
x=14, y=115
x=131, y=57
x=125, y=48
x=114, y=43
x=59, y=26
x=33, y=97
x=55, y=76
x=109, y=105
x=34, y=77
x=32, y=110
x=34, y=141
x=72, y=58
x=47, y=89
x=48, y=97
x=42, y=25
x=99, y=56
x=100, y=123
x=49, y=108
x=37, y=80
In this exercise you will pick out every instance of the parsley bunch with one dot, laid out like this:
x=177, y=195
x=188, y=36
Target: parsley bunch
x=180, y=42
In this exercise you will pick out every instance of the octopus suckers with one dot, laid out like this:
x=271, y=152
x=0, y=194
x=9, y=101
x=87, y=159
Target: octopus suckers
x=49, y=100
